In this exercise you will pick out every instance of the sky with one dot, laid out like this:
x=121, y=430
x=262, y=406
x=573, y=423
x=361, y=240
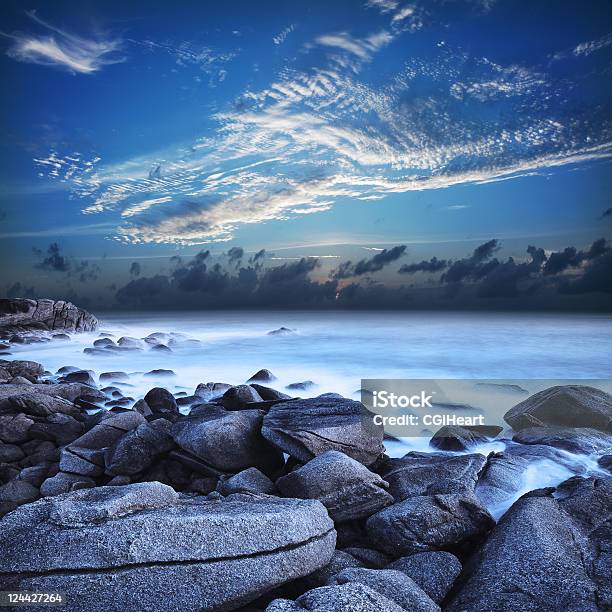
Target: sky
x=356, y=153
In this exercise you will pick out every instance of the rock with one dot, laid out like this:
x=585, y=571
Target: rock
x=262, y=376
x=268, y=394
x=80, y=376
x=350, y=597
x=14, y=428
x=415, y=473
x=59, y=428
x=250, y=480
x=344, y=486
x=228, y=441
x=135, y=451
x=281, y=331
x=20, y=380
x=64, y=482
x=30, y=370
x=67, y=391
x=162, y=403
x=103, y=342
x=340, y=561
x=455, y=438
x=434, y=572
x=129, y=342
x=39, y=451
x=10, y=453
x=83, y=461
x=369, y=557
x=565, y=406
x=162, y=348
x=142, y=544
x=582, y=440
x=15, y=493
x=301, y=386
x=143, y=408
x=113, y=375
x=37, y=404
x=36, y=474
x=605, y=462
x=237, y=398
x=548, y=552
x=428, y=522
x=395, y=586
x=159, y=373
x=109, y=429
x=305, y=428
x=24, y=314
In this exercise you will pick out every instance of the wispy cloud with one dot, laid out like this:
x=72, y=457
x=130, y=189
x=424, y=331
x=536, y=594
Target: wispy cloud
x=280, y=38
x=63, y=49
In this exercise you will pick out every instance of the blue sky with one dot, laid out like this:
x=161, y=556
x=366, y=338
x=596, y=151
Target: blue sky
x=137, y=131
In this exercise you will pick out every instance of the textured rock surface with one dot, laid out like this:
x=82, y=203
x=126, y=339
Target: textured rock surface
x=574, y=439
x=547, y=553
x=455, y=438
x=23, y=314
x=305, y=428
x=250, y=480
x=434, y=572
x=344, y=486
x=564, y=405
x=428, y=522
x=213, y=555
x=415, y=473
x=395, y=586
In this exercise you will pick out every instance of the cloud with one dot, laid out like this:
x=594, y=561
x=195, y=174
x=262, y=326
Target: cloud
x=570, y=258
x=280, y=38
x=135, y=269
x=63, y=49
x=606, y=213
x=363, y=48
x=433, y=265
x=368, y=266
x=235, y=255
x=54, y=260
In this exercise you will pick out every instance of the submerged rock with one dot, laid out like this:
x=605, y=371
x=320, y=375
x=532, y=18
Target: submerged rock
x=566, y=406
x=344, y=486
x=305, y=428
x=262, y=376
x=213, y=554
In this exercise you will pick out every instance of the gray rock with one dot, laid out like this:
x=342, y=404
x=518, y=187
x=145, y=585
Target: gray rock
x=64, y=482
x=14, y=428
x=301, y=386
x=395, y=586
x=109, y=429
x=160, y=373
x=36, y=474
x=238, y=397
x=548, y=552
x=269, y=394
x=129, y=342
x=605, y=462
x=262, y=376
x=501, y=477
x=15, y=493
x=59, y=428
x=67, y=391
x=340, y=561
x=10, y=453
x=428, y=522
x=142, y=544
x=228, y=441
x=305, y=428
x=344, y=486
x=44, y=314
x=582, y=440
x=136, y=450
x=30, y=370
x=455, y=438
x=83, y=461
x=113, y=375
x=37, y=404
x=349, y=597
x=250, y=480
x=85, y=377
x=415, y=473
x=434, y=572
x=162, y=402
x=565, y=406
x=20, y=380
x=369, y=557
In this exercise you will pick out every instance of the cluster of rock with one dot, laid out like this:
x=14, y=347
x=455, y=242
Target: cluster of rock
x=242, y=497
x=24, y=320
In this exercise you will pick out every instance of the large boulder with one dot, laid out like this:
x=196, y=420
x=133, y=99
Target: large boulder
x=305, y=428
x=564, y=405
x=67, y=391
x=428, y=522
x=548, y=552
x=162, y=403
x=415, y=473
x=228, y=441
x=456, y=438
x=143, y=544
x=17, y=314
x=344, y=486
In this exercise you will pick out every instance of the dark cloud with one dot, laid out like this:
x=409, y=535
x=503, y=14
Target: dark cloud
x=433, y=265
x=135, y=269
x=17, y=290
x=368, y=266
x=571, y=258
x=54, y=259
x=85, y=271
x=474, y=267
x=259, y=256
x=235, y=255
x=597, y=277
x=606, y=213
x=142, y=291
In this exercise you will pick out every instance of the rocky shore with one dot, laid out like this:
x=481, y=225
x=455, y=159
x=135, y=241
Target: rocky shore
x=241, y=497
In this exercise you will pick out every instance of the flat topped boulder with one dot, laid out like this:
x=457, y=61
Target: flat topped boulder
x=140, y=542
x=44, y=314
x=305, y=428
x=564, y=405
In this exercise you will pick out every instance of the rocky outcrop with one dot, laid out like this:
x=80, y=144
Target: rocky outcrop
x=148, y=544
x=583, y=440
x=305, y=428
x=455, y=438
x=565, y=406
x=19, y=315
x=344, y=486
x=550, y=551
